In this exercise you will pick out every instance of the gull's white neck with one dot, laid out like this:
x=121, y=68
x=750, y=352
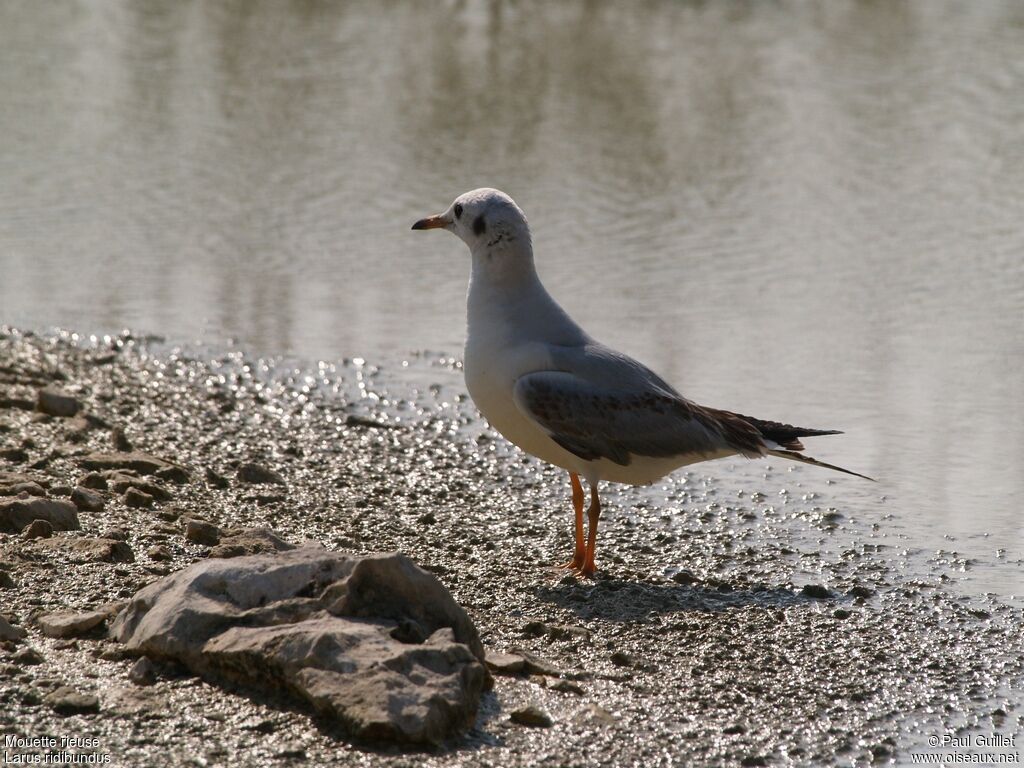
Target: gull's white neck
x=507, y=303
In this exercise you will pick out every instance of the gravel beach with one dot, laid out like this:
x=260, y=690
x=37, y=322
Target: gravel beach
x=743, y=615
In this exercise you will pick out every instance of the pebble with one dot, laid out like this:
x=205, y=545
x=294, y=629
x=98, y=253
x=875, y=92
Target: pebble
x=250, y=472
x=816, y=591
x=68, y=701
x=70, y=623
x=685, y=577
x=143, y=672
x=622, y=659
x=202, y=532
x=56, y=402
x=28, y=657
x=95, y=550
x=86, y=500
x=94, y=480
x=533, y=716
x=567, y=686
x=159, y=552
x=14, y=455
x=568, y=632
x=31, y=488
x=38, y=529
x=133, y=497
x=216, y=479
x=121, y=441
x=505, y=663
x=9, y=631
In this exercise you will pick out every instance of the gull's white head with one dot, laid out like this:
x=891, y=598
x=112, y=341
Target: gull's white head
x=487, y=220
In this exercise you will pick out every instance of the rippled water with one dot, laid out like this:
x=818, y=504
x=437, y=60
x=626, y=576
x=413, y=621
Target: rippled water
x=810, y=212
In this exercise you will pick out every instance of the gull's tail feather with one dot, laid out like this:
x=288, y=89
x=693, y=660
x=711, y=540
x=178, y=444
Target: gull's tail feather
x=794, y=456
x=786, y=435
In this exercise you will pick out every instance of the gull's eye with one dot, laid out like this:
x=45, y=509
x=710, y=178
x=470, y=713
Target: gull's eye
x=458, y=210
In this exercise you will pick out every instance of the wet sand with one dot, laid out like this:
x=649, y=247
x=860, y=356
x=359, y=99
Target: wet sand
x=744, y=614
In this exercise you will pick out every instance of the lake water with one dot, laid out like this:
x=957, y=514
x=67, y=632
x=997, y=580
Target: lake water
x=806, y=212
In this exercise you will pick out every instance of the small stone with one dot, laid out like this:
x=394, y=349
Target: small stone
x=354, y=420
x=239, y=542
x=119, y=534
x=10, y=632
x=816, y=591
x=86, y=500
x=56, y=402
x=18, y=512
x=67, y=701
x=505, y=663
x=861, y=591
x=684, y=577
x=143, y=672
x=38, y=529
x=114, y=653
x=533, y=716
x=533, y=665
x=32, y=489
x=535, y=629
x=120, y=481
x=173, y=474
x=159, y=552
x=93, y=550
x=842, y=613
x=202, y=532
x=94, y=480
x=567, y=686
x=250, y=472
x=77, y=429
x=14, y=455
x=70, y=623
x=621, y=659
x=7, y=581
x=291, y=752
x=133, y=497
x=28, y=657
x=216, y=479
x=120, y=440
x=143, y=463
x=568, y=632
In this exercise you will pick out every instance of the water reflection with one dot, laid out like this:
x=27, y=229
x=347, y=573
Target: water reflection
x=807, y=211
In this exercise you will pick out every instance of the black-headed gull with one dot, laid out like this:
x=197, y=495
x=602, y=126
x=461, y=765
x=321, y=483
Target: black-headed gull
x=552, y=390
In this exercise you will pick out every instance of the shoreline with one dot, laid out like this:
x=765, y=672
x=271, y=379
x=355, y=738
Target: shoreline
x=695, y=645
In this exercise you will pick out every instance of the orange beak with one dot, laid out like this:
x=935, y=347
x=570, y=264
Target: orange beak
x=431, y=222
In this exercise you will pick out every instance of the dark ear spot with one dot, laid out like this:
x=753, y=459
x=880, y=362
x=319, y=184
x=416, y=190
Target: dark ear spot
x=479, y=225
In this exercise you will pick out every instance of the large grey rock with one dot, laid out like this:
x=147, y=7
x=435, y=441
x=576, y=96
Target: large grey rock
x=16, y=513
x=373, y=640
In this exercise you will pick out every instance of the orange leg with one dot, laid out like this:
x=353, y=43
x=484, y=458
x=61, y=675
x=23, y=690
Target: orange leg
x=577, y=502
x=593, y=514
